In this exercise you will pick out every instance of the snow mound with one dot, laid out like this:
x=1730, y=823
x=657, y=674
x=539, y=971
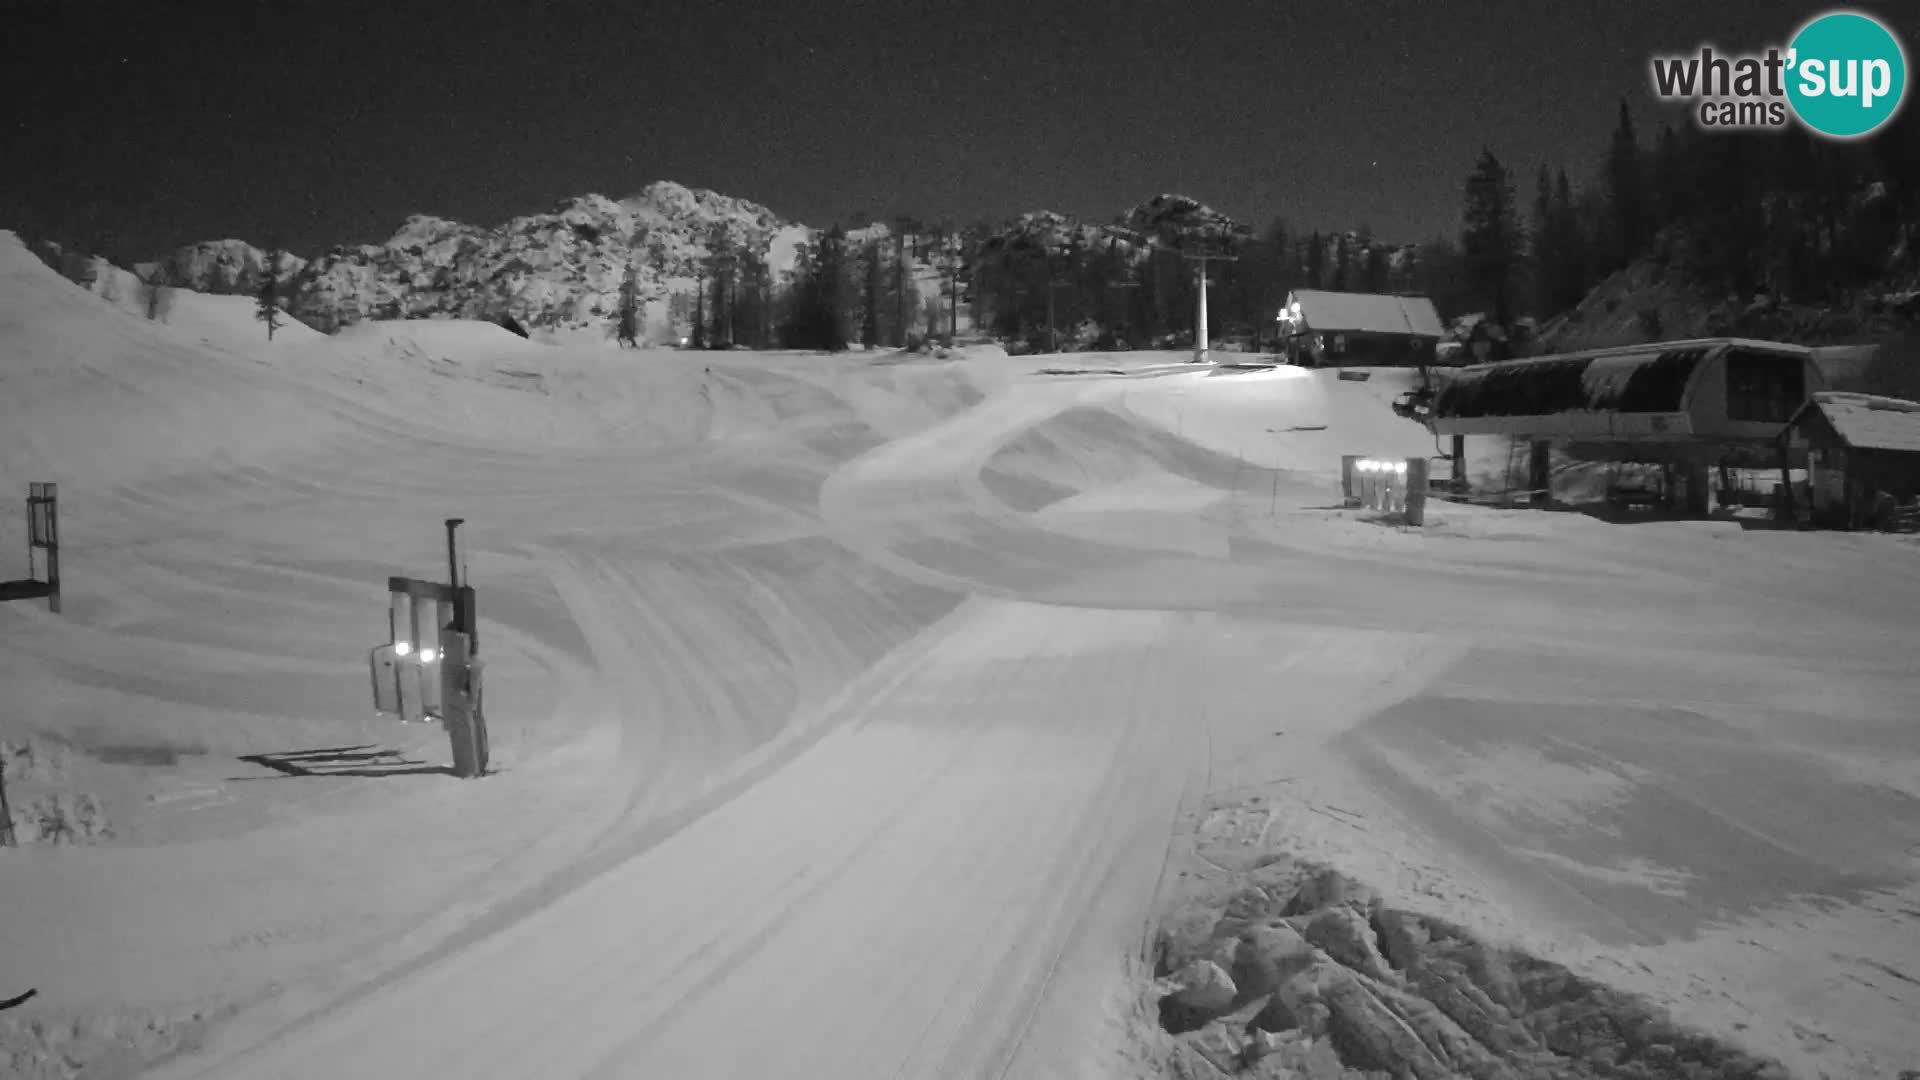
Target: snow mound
x=207, y=316
x=431, y=335
x=91, y=392
x=1296, y=970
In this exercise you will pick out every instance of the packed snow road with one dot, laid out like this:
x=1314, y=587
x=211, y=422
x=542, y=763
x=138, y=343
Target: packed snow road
x=961, y=840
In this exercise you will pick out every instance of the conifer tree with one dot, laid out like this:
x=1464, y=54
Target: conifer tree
x=268, y=308
x=1490, y=241
x=1629, y=209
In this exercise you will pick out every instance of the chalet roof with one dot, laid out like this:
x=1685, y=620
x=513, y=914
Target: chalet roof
x=1637, y=381
x=1870, y=422
x=1367, y=313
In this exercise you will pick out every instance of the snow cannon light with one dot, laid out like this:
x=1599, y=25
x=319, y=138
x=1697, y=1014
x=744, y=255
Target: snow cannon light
x=402, y=648
x=1374, y=483
x=429, y=655
x=1372, y=465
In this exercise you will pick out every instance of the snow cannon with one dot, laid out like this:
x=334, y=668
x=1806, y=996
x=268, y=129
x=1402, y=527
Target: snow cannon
x=428, y=669
x=1386, y=485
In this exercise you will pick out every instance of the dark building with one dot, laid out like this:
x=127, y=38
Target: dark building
x=1686, y=405
x=1339, y=329
x=1863, y=461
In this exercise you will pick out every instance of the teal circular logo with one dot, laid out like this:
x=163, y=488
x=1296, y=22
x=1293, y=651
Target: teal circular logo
x=1847, y=74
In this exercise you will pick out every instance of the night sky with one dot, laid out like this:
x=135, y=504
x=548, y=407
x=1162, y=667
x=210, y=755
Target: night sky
x=139, y=127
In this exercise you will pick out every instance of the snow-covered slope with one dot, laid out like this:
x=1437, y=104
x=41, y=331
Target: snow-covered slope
x=96, y=393
x=927, y=682
x=209, y=318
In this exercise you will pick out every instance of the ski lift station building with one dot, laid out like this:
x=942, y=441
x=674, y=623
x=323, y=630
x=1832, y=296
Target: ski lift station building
x=1713, y=401
x=1336, y=329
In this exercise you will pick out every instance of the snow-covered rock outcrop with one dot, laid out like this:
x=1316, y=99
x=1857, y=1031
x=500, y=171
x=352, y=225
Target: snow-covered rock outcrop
x=563, y=269
x=222, y=267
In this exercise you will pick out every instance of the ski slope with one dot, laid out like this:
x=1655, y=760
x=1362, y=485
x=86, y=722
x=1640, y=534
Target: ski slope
x=847, y=710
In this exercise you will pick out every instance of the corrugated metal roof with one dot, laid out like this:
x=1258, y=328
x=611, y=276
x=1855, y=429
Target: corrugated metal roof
x=1871, y=422
x=1367, y=313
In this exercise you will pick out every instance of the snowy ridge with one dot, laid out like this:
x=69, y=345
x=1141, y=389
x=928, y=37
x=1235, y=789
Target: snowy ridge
x=563, y=269
x=222, y=267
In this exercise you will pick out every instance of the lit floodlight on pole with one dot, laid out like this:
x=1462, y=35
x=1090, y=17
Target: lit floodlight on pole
x=1215, y=248
x=432, y=672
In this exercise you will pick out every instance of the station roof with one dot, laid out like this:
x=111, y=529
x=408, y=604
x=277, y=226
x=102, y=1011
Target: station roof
x=1647, y=380
x=1868, y=421
x=1366, y=313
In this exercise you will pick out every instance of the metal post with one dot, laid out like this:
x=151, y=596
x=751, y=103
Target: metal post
x=1200, y=343
x=459, y=709
x=7, y=839
x=453, y=552
x=1699, y=477
x=43, y=530
x=1200, y=319
x=1416, y=494
x=53, y=548
x=1784, y=509
x=1540, y=473
x=1459, y=464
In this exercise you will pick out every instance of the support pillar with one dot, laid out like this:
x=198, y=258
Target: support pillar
x=1540, y=472
x=1416, y=493
x=1783, y=509
x=1200, y=319
x=460, y=704
x=1699, y=488
x=1459, y=464
x=7, y=838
